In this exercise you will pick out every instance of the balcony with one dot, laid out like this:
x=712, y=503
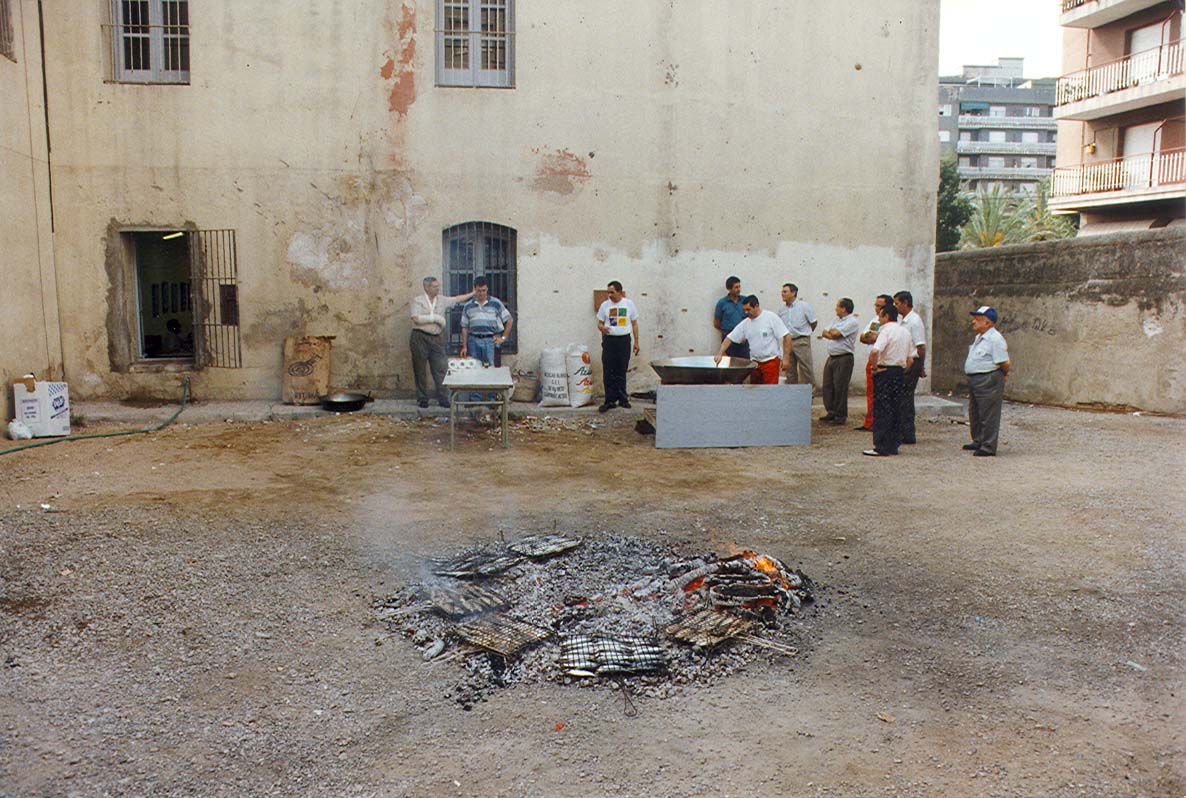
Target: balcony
x=1006, y=148
x=1140, y=178
x=1032, y=173
x=1094, y=13
x=1136, y=81
x=973, y=122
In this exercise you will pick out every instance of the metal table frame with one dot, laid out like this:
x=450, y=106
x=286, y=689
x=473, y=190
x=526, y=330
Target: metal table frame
x=485, y=381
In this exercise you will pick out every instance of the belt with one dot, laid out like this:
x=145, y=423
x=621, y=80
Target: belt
x=982, y=373
x=840, y=354
x=797, y=337
x=425, y=332
x=887, y=368
x=483, y=337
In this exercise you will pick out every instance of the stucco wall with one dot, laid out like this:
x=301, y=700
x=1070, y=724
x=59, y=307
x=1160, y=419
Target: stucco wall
x=667, y=147
x=1089, y=321
x=28, y=308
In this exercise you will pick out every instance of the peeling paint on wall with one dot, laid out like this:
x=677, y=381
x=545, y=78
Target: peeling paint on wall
x=560, y=172
x=325, y=261
x=400, y=69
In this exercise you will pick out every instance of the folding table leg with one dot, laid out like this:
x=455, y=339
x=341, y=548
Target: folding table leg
x=452, y=418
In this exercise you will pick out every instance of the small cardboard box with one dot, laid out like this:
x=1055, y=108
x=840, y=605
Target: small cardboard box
x=43, y=406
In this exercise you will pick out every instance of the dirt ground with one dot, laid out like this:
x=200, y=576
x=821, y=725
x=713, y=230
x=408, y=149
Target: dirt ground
x=191, y=616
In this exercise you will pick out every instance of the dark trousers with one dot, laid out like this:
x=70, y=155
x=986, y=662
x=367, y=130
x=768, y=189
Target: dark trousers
x=889, y=386
x=615, y=359
x=428, y=352
x=910, y=380
x=738, y=350
x=984, y=408
x=837, y=376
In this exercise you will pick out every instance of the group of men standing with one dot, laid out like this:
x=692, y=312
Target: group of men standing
x=776, y=342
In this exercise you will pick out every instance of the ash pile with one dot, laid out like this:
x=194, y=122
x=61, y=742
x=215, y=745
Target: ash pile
x=559, y=608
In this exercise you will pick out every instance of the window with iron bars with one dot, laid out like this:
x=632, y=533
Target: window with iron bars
x=480, y=249
x=475, y=43
x=7, y=43
x=149, y=41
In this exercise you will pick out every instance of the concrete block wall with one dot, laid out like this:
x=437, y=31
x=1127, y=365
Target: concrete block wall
x=1096, y=321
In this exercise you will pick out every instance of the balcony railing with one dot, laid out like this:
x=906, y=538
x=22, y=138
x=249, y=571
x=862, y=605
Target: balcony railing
x=1148, y=171
x=1146, y=66
x=1007, y=147
x=971, y=121
x=1067, y=5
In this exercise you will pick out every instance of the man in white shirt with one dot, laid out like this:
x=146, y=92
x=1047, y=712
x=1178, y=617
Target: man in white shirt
x=987, y=366
x=800, y=319
x=909, y=318
x=868, y=338
x=841, y=336
x=892, y=354
x=428, y=339
x=768, y=338
x=617, y=318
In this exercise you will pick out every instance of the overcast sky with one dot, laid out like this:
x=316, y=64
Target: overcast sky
x=978, y=31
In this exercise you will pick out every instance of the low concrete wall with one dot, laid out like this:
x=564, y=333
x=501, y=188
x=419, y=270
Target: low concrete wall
x=1097, y=321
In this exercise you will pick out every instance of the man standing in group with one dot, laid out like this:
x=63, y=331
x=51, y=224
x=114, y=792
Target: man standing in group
x=428, y=339
x=800, y=319
x=892, y=354
x=729, y=313
x=910, y=319
x=485, y=323
x=617, y=319
x=841, y=336
x=987, y=366
x=868, y=338
x=768, y=338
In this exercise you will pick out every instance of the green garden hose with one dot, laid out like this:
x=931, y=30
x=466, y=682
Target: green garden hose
x=162, y=425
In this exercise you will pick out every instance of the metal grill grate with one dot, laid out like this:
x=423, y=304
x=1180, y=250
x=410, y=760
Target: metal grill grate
x=215, y=270
x=502, y=635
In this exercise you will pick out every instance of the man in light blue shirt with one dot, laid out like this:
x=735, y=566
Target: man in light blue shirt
x=799, y=317
x=841, y=336
x=987, y=365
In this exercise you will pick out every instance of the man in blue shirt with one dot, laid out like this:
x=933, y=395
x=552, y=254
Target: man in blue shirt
x=728, y=314
x=485, y=323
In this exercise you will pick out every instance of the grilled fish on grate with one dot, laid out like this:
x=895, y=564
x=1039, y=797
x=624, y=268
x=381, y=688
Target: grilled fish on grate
x=582, y=654
x=501, y=634
x=464, y=598
x=706, y=627
x=477, y=564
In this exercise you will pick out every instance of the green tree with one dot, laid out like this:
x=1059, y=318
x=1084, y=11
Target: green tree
x=994, y=221
x=953, y=207
x=1040, y=223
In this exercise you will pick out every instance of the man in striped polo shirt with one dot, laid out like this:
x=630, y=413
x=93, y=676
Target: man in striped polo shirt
x=485, y=323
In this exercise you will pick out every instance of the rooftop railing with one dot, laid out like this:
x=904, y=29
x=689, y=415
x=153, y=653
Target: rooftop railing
x=1146, y=66
x=1135, y=173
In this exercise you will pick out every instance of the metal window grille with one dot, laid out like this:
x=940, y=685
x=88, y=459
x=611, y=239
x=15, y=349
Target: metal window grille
x=149, y=41
x=7, y=35
x=214, y=269
x=475, y=43
x=480, y=249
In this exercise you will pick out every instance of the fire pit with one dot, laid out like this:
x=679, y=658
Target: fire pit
x=566, y=609
x=702, y=370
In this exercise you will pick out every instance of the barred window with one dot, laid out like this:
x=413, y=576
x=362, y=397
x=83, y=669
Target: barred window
x=480, y=249
x=149, y=41
x=7, y=43
x=475, y=43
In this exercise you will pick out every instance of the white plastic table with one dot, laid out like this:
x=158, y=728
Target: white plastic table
x=486, y=380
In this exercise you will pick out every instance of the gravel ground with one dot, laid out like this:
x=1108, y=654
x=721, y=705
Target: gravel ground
x=191, y=613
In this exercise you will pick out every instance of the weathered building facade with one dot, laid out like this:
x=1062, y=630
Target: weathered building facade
x=219, y=175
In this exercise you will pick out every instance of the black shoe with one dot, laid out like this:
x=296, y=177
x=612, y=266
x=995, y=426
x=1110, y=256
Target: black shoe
x=605, y=408
x=909, y=443
x=828, y=419
x=983, y=453
x=422, y=403
x=863, y=428
x=624, y=403
x=971, y=447
x=443, y=403
x=839, y=422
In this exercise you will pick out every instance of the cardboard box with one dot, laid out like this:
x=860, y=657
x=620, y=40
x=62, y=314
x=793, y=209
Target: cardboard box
x=43, y=406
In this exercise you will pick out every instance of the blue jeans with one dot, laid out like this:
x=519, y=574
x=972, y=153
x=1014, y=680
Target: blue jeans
x=482, y=349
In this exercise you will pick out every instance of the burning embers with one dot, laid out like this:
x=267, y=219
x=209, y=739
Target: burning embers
x=556, y=607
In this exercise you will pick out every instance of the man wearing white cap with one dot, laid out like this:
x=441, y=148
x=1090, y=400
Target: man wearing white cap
x=987, y=366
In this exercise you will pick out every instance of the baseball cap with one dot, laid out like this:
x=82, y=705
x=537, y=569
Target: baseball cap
x=986, y=312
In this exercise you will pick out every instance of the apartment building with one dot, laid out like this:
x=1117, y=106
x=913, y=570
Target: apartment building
x=1120, y=111
x=999, y=125
x=187, y=183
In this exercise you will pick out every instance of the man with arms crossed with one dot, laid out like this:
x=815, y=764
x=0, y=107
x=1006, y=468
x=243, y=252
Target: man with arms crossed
x=729, y=313
x=841, y=336
x=868, y=338
x=768, y=338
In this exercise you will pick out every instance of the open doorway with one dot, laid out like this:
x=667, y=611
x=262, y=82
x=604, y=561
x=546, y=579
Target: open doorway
x=164, y=294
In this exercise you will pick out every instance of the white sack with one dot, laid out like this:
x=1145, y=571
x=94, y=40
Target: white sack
x=580, y=375
x=553, y=378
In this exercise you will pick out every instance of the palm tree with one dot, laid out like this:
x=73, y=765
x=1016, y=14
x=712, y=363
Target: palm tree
x=1040, y=223
x=994, y=221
